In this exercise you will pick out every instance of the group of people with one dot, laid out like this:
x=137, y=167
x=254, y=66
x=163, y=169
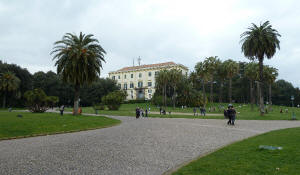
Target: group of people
x=139, y=112
x=202, y=111
x=230, y=113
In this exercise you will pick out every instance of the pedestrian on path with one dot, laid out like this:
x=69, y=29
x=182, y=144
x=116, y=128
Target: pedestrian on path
x=61, y=109
x=231, y=114
x=137, y=112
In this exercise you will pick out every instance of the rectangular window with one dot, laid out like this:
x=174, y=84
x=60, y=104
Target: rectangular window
x=125, y=86
x=113, y=77
x=149, y=74
x=131, y=85
x=140, y=75
x=119, y=85
x=156, y=73
x=140, y=84
x=131, y=75
x=119, y=77
x=125, y=76
x=149, y=84
x=149, y=90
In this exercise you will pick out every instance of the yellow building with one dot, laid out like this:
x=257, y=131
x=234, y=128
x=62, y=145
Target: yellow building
x=139, y=81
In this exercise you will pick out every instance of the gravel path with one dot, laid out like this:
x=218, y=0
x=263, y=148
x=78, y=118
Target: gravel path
x=147, y=146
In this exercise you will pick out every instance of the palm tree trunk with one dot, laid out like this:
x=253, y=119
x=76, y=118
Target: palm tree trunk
x=4, y=100
x=174, y=100
x=204, y=95
x=230, y=90
x=211, y=91
x=257, y=93
x=251, y=95
x=221, y=92
x=76, y=99
x=261, y=94
x=165, y=95
x=270, y=96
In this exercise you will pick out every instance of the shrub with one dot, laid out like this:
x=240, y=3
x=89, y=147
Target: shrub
x=99, y=106
x=114, y=99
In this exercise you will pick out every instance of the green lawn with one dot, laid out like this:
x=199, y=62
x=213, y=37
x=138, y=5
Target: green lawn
x=244, y=112
x=47, y=123
x=245, y=157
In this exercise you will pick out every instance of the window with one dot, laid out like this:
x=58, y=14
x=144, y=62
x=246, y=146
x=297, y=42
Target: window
x=149, y=84
x=140, y=84
x=131, y=75
x=113, y=77
x=125, y=86
x=156, y=73
x=119, y=77
x=119, y=85
x=150, y=96
x=149, y=74
x=125, y=76
x=140, y=75
x=131, y=85
x=149, y=90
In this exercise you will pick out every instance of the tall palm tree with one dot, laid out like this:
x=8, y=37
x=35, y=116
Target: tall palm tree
x=259, y=42
x=251, y=72
x=221, y=75
x=232, y=69
x=175, y=76
x=211, y=64
x=78, y=60
x=203, y=74
x=8, y=83
x=162, y=80
x=270, y=75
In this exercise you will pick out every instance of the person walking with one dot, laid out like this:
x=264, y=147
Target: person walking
x=231, y=115
x=61, y=109
x=137, y=112
x=194, y=110
x=146, y=112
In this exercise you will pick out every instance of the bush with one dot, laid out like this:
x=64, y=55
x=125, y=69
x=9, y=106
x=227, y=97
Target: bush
x=114, y=99
x=135, y=101
x=99, y=106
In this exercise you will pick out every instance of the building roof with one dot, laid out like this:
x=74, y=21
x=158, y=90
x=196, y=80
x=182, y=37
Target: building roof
x=132, y=68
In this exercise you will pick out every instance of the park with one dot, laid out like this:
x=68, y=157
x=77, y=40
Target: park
x=224, y=116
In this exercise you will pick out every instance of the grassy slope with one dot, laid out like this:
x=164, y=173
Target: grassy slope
x=47, y=123
x=245, y=112
x=245, y=158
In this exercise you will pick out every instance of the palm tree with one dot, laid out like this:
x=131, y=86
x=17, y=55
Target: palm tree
x=251, y=72
x=175, y=76
x=258, y=42
x=162, y=81
x=232, y=69
x=8, y=83
x=78, y=60
x=203, y=74
x=211, y=64
x=270, y=75
x=221, y=74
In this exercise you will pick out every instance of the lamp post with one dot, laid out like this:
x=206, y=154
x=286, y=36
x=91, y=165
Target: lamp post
x=293, y=113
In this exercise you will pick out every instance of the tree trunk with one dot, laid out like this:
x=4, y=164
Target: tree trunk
x=174, y=97
x=261, y=94
x=221, y=92
x=76, y=99
x=211, y=91
x=204, y=95
x=230, y=90
x=257, y=93
x=4, y=100
x=251, y=95
x=270, y=96
x=165, y=95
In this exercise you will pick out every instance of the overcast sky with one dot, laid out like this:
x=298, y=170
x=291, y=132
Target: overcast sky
x=156, y=30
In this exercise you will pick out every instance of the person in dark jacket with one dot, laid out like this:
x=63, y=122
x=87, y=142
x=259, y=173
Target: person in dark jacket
x=231, y=114
x=137, y=112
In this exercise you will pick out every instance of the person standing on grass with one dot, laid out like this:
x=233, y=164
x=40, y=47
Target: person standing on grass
x=61, y=109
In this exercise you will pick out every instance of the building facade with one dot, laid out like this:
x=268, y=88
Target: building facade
x=139, y=81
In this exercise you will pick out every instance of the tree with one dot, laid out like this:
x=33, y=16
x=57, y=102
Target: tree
x=175, y=76
x=259, y=42
x=232, y=68
x=162, y=80
x=211, y=64
x=203, y=74
x=114, y=99
x=270, y=75
x=221, y=75
x=8, y=83
x=251, y=72
x=78, y=60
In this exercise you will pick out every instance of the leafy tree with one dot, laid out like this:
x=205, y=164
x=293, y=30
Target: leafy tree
x=78, y=60
x=232, y=69
x=114, y=99
x=162, y=80
x=174, y=76
x=259, y=42
x=8, y=83
x=251, y=72
x=221, y=75
x=203, y=74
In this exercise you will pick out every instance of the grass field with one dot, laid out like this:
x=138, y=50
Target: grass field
x=47, y=123
x=246, y=158
x=244, y=112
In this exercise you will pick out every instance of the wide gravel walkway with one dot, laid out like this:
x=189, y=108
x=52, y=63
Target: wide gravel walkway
x=147, y=146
